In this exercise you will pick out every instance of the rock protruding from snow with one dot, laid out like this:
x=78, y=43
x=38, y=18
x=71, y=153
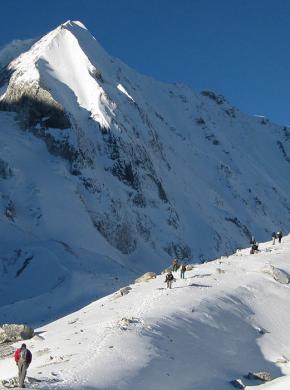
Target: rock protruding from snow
x=261, y=375
x=15, y=332
x=124, y=323
x=237, y=383
x=125, y=290
x=146, y=277
x=166, y=270
x=9, y=383
x=277, y=274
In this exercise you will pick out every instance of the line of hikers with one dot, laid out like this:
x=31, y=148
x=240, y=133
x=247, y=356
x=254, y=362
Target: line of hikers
x=169, y=279
x=275, y=236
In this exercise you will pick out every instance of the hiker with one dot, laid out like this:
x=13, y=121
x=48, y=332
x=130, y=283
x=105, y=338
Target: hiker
x=274, y=236
x=279, y=236
x=23, y=358
x=254, y=248
x=182, y=271
x=253, y=241
x=175, y=265
x=169, y=279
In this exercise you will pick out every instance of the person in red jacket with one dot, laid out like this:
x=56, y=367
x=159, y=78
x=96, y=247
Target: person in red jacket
x=23, y=358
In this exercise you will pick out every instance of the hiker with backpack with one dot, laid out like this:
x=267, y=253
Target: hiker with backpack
x=182, y=271
x=254, y=249
x=253, y=241
x=169, y=279
x=175, y=265
x=279, y=236
x=274, y=236
x=23, y=358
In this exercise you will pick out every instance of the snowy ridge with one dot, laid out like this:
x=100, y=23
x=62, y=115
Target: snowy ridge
x=227, y=318
x=124, y=171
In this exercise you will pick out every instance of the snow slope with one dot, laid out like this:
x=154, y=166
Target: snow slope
x=106, y=173
x=227, y=318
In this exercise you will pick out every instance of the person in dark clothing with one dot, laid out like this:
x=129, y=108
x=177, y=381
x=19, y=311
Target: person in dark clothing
x=254, y=248
x=253, y=241
x=169, y=279
x=175, y=265
x=274, y=236
x=182, y=271
x=279, y=236
x=23, y=358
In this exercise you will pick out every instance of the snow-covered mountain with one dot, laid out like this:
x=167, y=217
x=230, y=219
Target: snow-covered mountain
x=105, y=173
x=227, y=318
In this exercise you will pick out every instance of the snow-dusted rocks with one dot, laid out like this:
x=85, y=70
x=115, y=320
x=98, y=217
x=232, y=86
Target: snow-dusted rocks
x=278, y=274
x=15, y=332
x=262, y=376
x=9, y=383
x=166, y=270
x=146, y=277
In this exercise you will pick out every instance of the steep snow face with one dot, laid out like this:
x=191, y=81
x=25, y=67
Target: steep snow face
x=227, y=318
x=120, y=166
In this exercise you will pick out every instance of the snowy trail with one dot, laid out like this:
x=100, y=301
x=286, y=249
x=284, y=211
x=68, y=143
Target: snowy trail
x=200, y=335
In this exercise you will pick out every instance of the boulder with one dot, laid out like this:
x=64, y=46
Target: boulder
x=9, y=383
x=263, y=376
x=124, y=323
x=166, y=270
x=277, y=274
x=15, y=332
x=125, y=290
x=146, y=277
x=189, y=267
x=237, y=383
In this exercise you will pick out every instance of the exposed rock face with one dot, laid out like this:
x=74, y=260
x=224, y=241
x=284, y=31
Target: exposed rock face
x=15, y=332
x=146, y=277
x=34, y=105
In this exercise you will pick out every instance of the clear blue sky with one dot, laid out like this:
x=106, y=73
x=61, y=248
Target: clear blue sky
x=240, y=48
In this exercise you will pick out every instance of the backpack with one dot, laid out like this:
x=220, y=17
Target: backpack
x=23, y=355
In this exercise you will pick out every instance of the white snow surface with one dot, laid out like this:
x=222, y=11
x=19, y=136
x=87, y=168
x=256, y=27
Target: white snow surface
x=145, y=171
x=225, y=319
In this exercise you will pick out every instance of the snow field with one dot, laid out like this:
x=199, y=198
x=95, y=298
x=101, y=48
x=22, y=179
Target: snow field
x=227, y=318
